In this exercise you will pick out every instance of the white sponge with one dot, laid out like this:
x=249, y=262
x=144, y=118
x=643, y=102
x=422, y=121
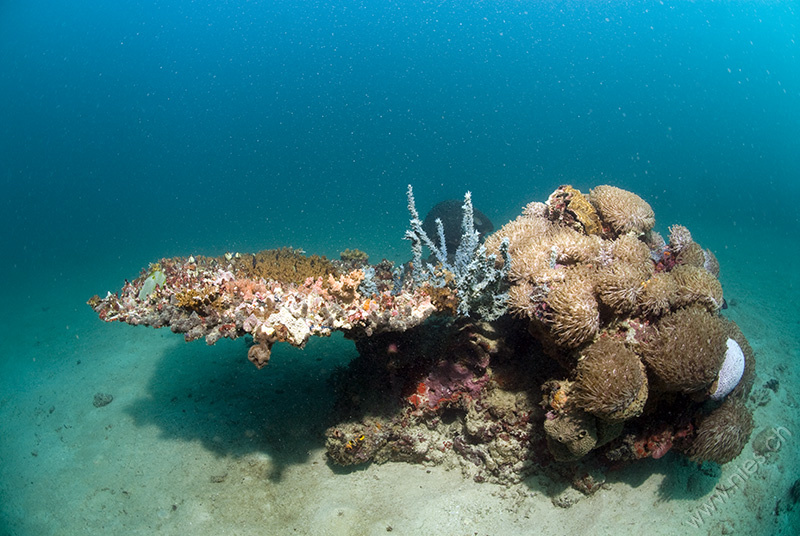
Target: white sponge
x=731, y=371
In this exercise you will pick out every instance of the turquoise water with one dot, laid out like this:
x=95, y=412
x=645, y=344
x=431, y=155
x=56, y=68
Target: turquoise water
x=149, y=129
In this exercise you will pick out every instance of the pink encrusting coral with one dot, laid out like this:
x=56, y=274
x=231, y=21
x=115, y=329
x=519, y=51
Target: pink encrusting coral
x=448, y=384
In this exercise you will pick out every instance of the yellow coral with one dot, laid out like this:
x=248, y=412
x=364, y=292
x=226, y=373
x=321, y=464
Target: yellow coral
x=582, y=210
x=198, y=300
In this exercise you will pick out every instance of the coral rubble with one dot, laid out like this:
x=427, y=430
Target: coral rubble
x=574, y=334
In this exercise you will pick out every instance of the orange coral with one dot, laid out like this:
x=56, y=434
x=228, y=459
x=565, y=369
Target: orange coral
x=345, y=287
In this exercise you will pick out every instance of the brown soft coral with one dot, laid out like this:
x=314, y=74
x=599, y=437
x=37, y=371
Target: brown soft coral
x=622, y=211
x=722, y=434
x=287, y=265
x=658, y=294
x=619, y=286
x=574, y=317
x=697, y=286
x=687, y=350
x=691, y=255
x=518, y=232
x=611, y=381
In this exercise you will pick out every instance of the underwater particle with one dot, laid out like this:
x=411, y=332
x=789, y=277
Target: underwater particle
x=611, y=381
x=722, y=434
x=102, y=399
x=731, y=371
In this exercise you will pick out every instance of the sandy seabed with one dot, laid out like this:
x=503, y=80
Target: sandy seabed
x=196, y=440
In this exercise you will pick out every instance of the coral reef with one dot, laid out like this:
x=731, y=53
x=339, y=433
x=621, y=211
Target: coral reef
x=573, y=334
x=216, y=297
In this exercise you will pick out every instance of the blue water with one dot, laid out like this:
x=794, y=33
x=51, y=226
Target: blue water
x=131, y=131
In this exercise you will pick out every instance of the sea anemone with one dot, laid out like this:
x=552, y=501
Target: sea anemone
x=610, y=381
x=722, y=434
x=622, y=210
x=630, y=250
x=520, y=300
x=686, y=351
x=519, y=233
x=572, y=247
x=691, y=255
x=711, y=263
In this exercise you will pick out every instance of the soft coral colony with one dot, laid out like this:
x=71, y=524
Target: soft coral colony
x=574, y=333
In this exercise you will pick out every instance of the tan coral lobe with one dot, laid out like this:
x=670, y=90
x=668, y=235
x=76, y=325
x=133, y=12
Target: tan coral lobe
x=687, y=350
x=622, y=210
x=722, y=434
x=610, y=381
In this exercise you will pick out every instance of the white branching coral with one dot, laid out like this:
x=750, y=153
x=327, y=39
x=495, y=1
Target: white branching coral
x=482, y=287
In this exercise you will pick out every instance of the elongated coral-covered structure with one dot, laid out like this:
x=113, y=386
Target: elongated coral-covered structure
x=216, y=297
x=614, y=346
